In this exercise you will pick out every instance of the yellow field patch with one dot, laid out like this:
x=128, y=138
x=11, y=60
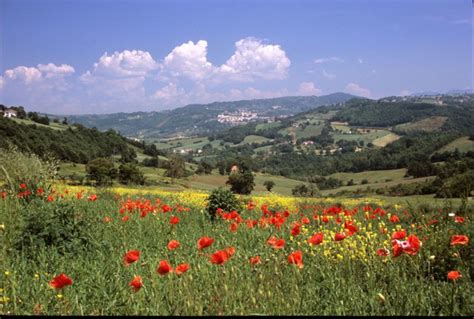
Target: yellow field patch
x=385, y=140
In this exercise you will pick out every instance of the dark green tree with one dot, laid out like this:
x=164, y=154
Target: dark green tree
x=241, y=182
x=101, y=170
x=175, y=167
x=269, y=185
x=130, y=174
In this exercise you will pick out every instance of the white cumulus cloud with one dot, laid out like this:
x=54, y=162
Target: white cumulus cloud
x=51, y=70
x=124, y=64
x=24, y=74
x=255, y=59
x=308, y=88
x=189, y=60
x=356, y=89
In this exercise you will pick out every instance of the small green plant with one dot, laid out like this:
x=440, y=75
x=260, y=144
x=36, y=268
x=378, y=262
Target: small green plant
x=223, y=199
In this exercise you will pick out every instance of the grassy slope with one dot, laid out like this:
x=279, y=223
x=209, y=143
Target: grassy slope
x=462, y=143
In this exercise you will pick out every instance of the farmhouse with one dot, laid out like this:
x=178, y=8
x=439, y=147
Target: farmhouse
x=9, y=113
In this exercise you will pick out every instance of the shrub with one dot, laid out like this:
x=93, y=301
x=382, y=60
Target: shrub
x=223, y=199
x=58, y=225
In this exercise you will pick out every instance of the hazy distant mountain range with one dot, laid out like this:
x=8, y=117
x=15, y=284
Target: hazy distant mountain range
x=450, y=92
x=196, y=119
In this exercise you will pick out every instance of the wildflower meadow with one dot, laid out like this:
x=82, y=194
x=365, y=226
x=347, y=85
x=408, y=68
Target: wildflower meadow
x=87, y=252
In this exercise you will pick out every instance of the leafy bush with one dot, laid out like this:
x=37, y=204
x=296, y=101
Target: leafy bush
x=223, y=199
x=59, y=225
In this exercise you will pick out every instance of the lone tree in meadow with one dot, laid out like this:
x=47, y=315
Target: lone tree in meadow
x=101, y=170
x=175, y=167
x=241, y=181
x=269, y=185
x=131, y=174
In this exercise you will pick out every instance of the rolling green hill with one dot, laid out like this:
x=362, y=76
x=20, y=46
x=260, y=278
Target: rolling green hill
x=202, y=119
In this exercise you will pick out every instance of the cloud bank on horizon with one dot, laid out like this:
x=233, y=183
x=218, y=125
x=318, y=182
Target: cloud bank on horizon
x=120, y=77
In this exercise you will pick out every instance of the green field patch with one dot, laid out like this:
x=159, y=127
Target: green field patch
x=365, y=137
x=249, y=139
x=463, y=144
x=429, y=124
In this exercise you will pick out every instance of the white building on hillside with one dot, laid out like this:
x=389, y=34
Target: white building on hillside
x=9, y=113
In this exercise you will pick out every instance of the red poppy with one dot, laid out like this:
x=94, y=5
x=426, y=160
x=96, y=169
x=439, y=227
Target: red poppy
x=136, y=283
x=397, y=249
x=339, y=237
x=399, y=235
x=181, y=269
x=454, y=275
x=394, y=219
x=255, y=260
x=4, y=195
x=50, y=198
x=296, y=258
x=233, y=227
x=173, y=244
x=230, y=251
x=174, y=220
x=22, y=185
x=459, y=240
x=219, y=257
x=414, y=245
x=92, y=198
x=459, y=219
x=382, y=252
x=164, y=267
x=305, y=220
x=325, y=219
x=125, y=218
x=107, y=219
x=79, y=195
x=350, y=228
x=296, y=230
x=204, y=242
x=276, y=243
x=40, y=191
x=60, y=281
x=316, y=239
x=166, y=208
x=130, y=257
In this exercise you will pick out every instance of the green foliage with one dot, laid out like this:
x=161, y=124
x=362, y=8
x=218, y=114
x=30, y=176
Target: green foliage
x=175, y=167
x=305, y=190
x=130, y=174
x=101, y=170
x=241, y=182
x=269, y=185
x=461, y=185
x=204, y=167
x=78, y=144
x=57, y=225
x=18, y=167
x=223, y=199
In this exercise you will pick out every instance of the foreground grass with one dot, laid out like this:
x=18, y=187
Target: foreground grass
x=338, y=277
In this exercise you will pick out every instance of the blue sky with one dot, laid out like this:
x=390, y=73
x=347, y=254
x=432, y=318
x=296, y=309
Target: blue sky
x=71, y=57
